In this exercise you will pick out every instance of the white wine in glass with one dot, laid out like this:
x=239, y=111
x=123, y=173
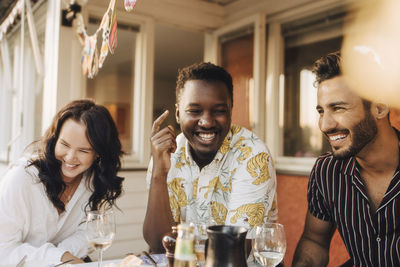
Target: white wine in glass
x=270, y=244
x=100, y=230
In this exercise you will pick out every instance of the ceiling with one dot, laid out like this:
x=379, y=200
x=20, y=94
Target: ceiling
x=5, y=7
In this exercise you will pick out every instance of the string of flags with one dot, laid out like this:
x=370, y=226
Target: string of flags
x=91, y=61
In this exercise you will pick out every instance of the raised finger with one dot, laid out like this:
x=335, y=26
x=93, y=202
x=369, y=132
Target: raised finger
x=157, y=123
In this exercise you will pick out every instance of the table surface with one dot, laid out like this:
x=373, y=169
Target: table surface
x=94, y=264
x=105, y=263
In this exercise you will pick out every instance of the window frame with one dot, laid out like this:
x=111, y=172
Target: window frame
x=275, y=85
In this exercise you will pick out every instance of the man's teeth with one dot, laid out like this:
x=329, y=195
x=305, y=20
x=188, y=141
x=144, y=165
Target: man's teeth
x=337, y=137
x=207, y=136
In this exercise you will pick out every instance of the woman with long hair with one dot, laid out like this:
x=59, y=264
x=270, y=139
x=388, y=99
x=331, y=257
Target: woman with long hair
x=43, y=199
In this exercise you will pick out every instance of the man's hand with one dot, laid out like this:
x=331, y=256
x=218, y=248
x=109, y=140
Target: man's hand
x=163, y=143
x=158, y=219
x=68, y=256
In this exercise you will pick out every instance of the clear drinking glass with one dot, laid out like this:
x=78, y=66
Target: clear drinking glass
x=200, y=237
x=269, y=244
x=182, y=216
x=100, y=230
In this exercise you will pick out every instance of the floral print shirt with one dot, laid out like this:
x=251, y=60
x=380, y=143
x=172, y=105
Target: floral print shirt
x=237, y=188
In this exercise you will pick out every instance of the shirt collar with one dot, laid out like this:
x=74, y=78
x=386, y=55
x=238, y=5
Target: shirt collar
x=350, y=164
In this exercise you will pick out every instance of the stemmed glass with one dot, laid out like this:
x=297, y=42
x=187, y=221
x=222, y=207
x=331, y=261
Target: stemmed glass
x=100, y=230
x=269, y=244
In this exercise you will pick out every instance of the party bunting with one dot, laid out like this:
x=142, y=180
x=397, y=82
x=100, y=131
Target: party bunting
x=129, y=5
x=90, y=60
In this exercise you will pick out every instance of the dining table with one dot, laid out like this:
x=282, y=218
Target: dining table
x=114, y=263
x=159, y=258
x=110, y=263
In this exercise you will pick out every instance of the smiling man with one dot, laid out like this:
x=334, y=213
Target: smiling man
x=216, y=172
x=356, y=187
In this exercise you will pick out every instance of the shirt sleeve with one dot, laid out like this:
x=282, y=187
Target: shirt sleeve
x=14, y=212
x=316, y=202
x=77, y=243
x=252, y=200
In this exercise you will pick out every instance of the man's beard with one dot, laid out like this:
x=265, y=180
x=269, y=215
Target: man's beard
x=362, y=134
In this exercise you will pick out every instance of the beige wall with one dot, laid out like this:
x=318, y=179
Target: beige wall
x=129, y=238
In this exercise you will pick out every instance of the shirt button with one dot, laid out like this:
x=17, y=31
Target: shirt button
x=378, y=239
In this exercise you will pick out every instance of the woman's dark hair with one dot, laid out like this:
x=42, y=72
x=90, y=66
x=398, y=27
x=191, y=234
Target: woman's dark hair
x=204, y=71
x=103, y=137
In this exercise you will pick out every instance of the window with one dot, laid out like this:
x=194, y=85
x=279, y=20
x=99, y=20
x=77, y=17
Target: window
x=301, y=135
x=113, y=86
x=296, y=40
x=237, y=58
x=125, y=82
x=172, y=54
x=240, y=47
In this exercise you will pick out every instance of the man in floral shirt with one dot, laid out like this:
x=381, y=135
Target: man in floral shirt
x=213, y=170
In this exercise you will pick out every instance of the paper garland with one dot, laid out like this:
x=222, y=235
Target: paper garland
x=90, y=60
x=129, y=5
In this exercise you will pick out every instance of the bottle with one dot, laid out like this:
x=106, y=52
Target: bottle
x=184, y=249
x=169, y=241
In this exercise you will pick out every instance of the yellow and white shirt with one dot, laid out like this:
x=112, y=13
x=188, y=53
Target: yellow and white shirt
x=237, y=188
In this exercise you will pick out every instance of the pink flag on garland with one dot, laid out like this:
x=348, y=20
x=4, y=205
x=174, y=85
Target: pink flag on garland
x=112, y=40
x=129, y=5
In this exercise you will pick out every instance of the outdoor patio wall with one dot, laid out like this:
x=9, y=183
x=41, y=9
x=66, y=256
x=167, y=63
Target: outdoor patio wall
x=292, y=206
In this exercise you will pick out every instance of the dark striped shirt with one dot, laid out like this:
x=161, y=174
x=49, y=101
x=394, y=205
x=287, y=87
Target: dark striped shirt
x=336, y=193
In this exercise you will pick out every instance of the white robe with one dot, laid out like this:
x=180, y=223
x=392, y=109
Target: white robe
x=30, y=224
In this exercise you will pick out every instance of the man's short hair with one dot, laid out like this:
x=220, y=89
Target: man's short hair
x=327, y=67
x=204, y=71
x=330, y=66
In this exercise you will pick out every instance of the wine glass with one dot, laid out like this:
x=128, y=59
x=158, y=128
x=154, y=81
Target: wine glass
x=269, y=244
x=100, y=230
